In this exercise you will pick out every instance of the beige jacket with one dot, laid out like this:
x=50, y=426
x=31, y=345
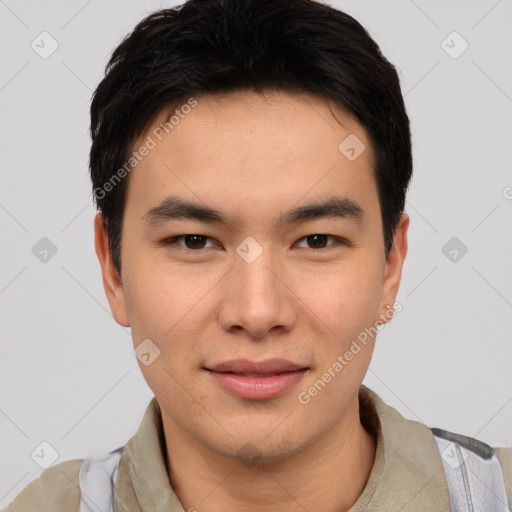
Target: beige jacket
x=407, y=474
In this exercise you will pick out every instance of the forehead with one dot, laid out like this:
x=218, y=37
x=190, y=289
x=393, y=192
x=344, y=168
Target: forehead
x=259, y=149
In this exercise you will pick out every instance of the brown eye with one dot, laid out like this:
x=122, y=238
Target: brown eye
x=319, y=241
x=193, y=242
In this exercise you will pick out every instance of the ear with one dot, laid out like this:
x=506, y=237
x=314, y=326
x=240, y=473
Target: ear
x=111, y=280
x=393, y=270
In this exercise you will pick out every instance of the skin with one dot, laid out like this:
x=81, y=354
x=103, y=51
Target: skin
x=253, y=157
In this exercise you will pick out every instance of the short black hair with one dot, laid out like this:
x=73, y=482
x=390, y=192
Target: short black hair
x=221, y=46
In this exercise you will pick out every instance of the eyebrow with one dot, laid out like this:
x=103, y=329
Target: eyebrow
x=175, y=208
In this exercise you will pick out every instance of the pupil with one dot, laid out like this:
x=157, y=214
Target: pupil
x=316, y=238
x=195, y=240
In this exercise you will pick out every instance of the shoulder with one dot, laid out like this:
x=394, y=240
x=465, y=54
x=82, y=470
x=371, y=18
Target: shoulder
x=56, y=489
x=497, y=456
x=505, y=456
x=483, y=450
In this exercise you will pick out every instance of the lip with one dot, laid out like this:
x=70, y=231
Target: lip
x=268, y=366
x=257, y=380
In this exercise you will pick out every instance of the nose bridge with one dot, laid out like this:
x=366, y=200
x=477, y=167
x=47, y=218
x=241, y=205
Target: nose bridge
x=255, y=269
x=258, y=300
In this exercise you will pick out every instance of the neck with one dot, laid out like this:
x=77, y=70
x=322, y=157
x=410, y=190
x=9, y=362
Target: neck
x=330, y=474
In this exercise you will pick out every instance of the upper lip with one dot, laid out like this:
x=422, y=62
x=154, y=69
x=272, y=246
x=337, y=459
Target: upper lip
x=263, y=367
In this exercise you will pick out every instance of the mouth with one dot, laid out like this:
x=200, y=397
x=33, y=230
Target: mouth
x=257, y=380
x=260, y=375
x=247, y=367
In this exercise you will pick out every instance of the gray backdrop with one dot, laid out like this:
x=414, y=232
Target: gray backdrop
x=68, y=374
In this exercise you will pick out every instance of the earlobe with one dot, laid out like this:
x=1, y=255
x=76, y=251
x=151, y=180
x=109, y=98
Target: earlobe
x=386, y=316
x=112, y=283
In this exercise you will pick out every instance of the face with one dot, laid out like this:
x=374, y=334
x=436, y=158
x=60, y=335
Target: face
x=267, y=275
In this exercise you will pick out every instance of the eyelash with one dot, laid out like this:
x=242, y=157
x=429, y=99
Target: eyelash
x=173, y=241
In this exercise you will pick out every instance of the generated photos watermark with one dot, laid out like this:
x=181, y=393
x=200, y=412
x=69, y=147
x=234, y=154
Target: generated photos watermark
x=305, y=397
x=151, y=141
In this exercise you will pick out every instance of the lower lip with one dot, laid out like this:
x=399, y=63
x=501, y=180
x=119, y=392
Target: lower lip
x=257, y=388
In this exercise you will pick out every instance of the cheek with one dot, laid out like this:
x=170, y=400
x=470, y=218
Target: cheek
x=344, y=300
x=156, y=294
x=170, y=309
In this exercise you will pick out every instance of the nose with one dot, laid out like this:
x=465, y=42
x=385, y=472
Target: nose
x=256, y=297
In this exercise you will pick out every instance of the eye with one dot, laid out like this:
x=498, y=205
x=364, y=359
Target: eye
x=197, y=242
x=190, y=241
x=318, y=241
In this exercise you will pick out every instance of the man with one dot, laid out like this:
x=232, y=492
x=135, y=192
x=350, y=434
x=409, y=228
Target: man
x=250, y=161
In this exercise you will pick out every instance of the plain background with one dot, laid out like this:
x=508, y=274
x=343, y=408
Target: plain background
x=68, y=374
